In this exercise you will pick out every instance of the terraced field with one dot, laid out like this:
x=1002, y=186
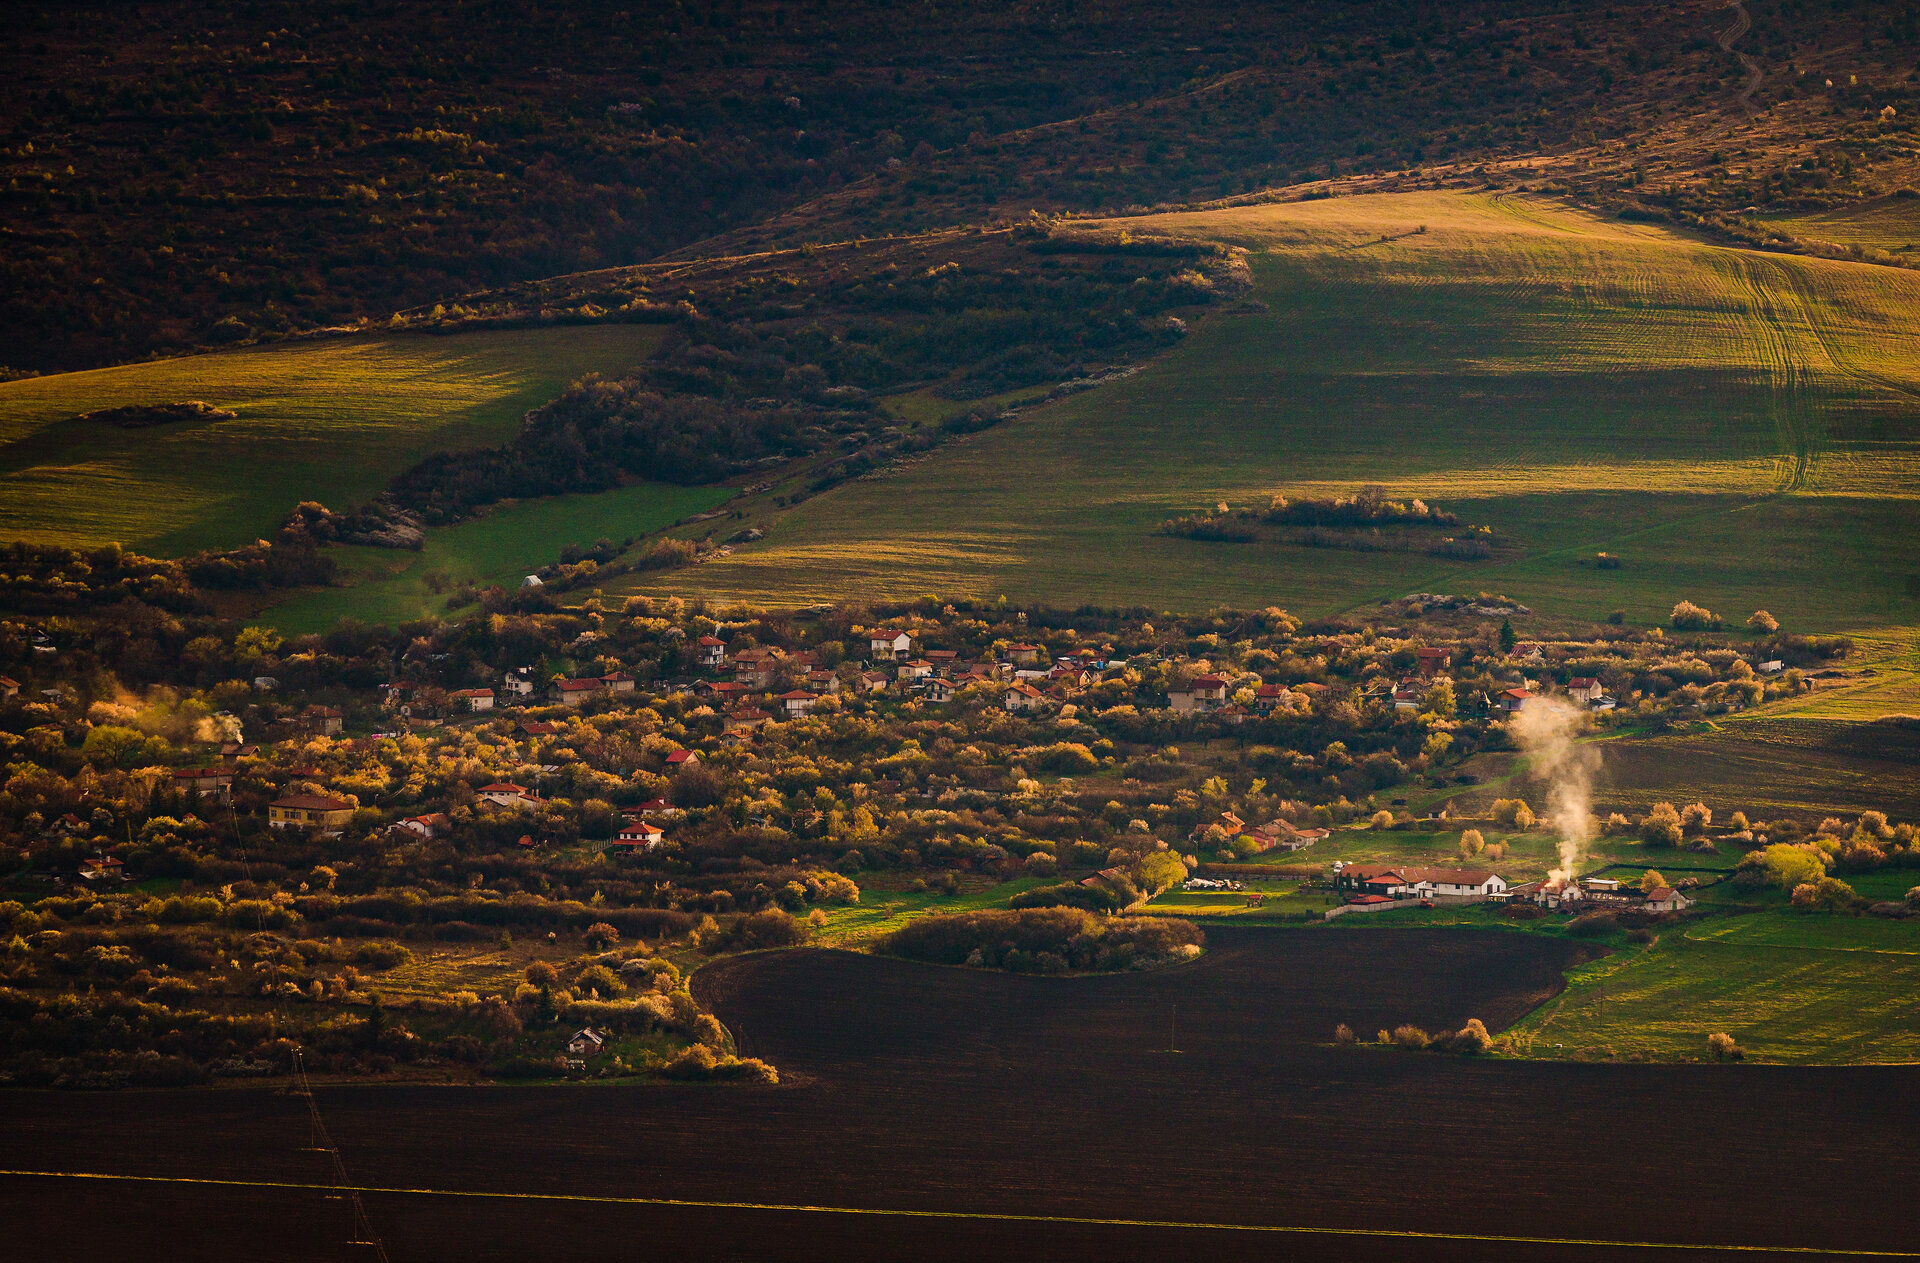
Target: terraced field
x=1742, y=429
x=330, y=420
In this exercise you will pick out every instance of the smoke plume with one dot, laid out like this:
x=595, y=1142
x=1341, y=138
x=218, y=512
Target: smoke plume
x=1545, y=729
x=217, y=728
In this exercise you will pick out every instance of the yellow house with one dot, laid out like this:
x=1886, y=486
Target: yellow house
x=309, y=811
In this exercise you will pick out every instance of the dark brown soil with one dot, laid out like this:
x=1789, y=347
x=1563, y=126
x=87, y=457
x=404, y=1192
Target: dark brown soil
x=919, y=1087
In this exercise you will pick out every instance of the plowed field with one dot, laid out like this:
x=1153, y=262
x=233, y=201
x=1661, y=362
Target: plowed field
x=912, y=1088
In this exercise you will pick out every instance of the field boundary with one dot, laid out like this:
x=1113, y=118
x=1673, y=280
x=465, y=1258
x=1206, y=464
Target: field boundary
x=1091, y=1221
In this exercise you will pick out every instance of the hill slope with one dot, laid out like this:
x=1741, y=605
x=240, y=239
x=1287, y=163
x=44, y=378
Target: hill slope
x=1740, y=428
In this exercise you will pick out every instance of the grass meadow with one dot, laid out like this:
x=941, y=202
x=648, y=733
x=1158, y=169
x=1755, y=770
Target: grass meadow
x=1788, y=987
x=330, y=419
x=385, y=585
x=1741, y=429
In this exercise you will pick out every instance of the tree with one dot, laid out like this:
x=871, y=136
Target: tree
x=600, y=936
x=1440, y=699
x=541, y=974
x=1687, y=616
x=1762, y=622
x=1828, y=894
x=1383, y=820
x=1695, y=818
x=1651, y=880
x=1471, y=844
x=1720, y=1047
x=1662, y=826
x=1507, y=638
x=1472, y=1038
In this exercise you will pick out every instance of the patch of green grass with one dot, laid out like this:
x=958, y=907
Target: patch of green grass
x=880, y=911
x=330, y=419
x=1787, y=987
x=384, y=585
x=1742, y=429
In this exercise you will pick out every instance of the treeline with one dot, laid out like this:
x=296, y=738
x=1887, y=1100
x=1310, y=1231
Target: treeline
x=748, y=386
x=1052, y=940
x=1348, y=522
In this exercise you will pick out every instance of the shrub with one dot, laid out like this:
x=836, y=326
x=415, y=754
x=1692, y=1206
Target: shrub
x=1594, y=924
x=600, y=936
x=1828, y=894
x=1762, y=622
x=1513, y=813
x=1411, y=1037
x=541, y=974
x=1720, y=1047
x=1471, y=1039
x=1687, y=616
x=600, y=979
x=1020, y=939
x=772, y=928
x=1471, y=843
x=1343, y=1034
x=1382, y=820
x=1695, y=817
x=1662, y=826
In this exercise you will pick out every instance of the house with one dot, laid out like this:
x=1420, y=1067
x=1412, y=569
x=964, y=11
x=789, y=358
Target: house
x=683, y=758
x=1554, y=892
x=747, y=719
x=797, y=703
x=574, y=692
x=1279, y=835
x=586, y=1043
x=888, y=645
x=1269, y=696
x=538, y=729
x=204, y=780
x=1513, y=700
x=1024, y=655
x=1021, y=696
x=823, y=681
x=1233, y=716
x=1584, y=688
x=517, y=684
x=309, y=811
x=916, y=669
x=942, y=661
x=472, y=699
x=712, y=652
x=233, y=751
x=936, y=691
x=1666, y=899
x=638, y=834
x=1233, y=825
x=1433, y=660
x=1203, y=692
x=873, y=681
x=1406, y=698
x=1405, y=881
x=1525, y=649
x=9, y=687
x=657, y=809
x=725, y=691
x=322, y=719
x=106, y=870
x=418, y=828
x=754, y=667
x=617, y=682
x=506, y=794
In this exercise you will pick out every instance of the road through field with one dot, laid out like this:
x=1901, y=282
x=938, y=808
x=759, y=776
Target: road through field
x=954, y=1114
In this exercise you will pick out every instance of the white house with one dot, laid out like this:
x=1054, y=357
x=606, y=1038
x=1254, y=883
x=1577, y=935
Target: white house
x=713, y=651
x=1664, y=899
x=1022, y=696
x=1584, y=688
x=889, y=644
x=797, y=703
x=474, y=699
x=640, y=833
x=506, y=794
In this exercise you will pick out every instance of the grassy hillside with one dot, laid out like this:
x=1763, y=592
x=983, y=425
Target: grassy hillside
x=1739, y=427
x=330, y=420
x=386, y=585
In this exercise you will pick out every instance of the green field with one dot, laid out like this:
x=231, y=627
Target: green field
x=1743, y=429
x=1787, y=986
x=331, y=420
x=386, y=585
x=1888, y=223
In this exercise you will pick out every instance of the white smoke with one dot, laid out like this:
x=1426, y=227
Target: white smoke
x=217, y=728
x=1545, y=728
